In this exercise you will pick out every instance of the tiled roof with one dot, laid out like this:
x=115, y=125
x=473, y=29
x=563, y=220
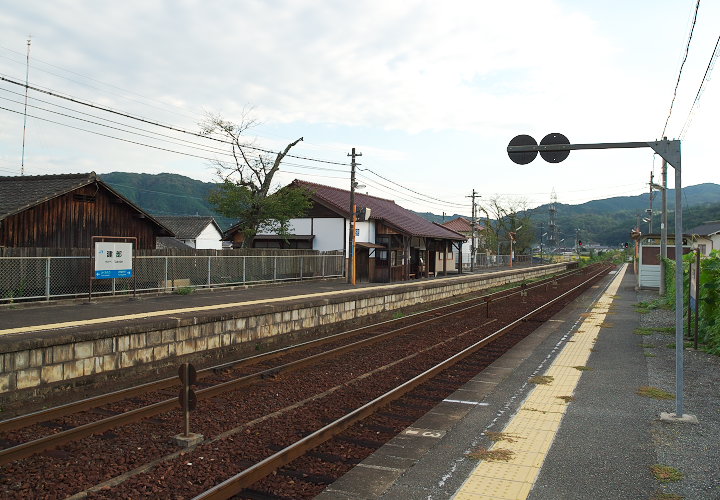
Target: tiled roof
x=462, y=225
x=187, y=227
x=169, y=242
x=19, y=193
x=382, y=209
x=706, y=229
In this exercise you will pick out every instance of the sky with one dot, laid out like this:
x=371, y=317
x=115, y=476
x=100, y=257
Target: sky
x=429, y=92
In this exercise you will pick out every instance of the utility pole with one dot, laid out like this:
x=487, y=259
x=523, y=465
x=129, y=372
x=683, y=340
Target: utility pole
x=27, y=74
x=650, y=211
x=472, y=233
x=353, y=218
x=542, y=227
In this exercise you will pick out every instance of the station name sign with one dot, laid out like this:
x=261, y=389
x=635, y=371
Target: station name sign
x=113, y=260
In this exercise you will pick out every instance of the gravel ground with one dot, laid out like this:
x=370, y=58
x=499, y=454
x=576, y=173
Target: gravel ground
x=692, y=449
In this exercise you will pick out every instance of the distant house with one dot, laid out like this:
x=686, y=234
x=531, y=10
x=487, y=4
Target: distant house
x=393, y=244
x=463, y=226
x=199, y=232
x=706, y=236
x=66, y=211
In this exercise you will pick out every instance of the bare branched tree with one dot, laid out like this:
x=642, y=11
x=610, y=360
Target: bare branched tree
x=505, y=215
x=246, y=192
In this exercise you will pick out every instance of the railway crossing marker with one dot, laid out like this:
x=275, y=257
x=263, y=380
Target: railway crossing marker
x=188, y=402
x=554, y=148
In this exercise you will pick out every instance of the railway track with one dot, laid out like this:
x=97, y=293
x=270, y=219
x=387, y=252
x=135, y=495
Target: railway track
x=358, y=370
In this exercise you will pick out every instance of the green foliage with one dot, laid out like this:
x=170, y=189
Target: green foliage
x=184, y=290
x=709, y=304
x=253, y=210
x=166, y=194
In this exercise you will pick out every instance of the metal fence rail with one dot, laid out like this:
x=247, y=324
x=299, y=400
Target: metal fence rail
x=44, y=278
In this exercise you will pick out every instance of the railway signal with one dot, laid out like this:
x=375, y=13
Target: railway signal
x=523, y=149
x=188, y=402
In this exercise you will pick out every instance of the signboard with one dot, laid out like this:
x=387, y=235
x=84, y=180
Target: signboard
x=113, y=260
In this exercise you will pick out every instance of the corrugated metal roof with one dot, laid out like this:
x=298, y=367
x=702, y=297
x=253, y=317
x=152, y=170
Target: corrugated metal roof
x=382, y=209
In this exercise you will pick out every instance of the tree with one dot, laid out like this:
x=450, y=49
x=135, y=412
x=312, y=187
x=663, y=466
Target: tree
x=508, y=215
x=246, y=191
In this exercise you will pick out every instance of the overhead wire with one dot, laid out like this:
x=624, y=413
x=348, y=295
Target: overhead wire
x=677, y=83
x=412, y=190
x=156, y=123
x=705, y=78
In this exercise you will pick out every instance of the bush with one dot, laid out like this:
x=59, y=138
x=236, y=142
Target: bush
x=709, y=305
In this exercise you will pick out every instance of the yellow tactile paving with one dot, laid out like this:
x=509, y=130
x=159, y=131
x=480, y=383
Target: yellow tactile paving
x=530, y=432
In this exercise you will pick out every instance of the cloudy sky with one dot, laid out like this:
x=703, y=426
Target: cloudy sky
x=429, y=92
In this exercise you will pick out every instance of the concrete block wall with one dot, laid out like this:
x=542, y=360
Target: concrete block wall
x=45, y=362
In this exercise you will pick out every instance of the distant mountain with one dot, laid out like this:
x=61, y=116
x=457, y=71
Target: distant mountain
x=166, y=194
x=607, y=221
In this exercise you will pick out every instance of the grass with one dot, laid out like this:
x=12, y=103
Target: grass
x=398, y=315
x=665, y=473
x=184, y=290
x=643, y=331
x=654, y=392
x=686, y=345
x=582, y=368
x=541, y=379
x=567, y=399
x=647, y=346
x=496, y=455
x=649, y=355
x=605, y=324
x=660, y=495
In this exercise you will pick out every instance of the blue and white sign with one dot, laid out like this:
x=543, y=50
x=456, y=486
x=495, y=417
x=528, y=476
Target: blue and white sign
x=113, y=260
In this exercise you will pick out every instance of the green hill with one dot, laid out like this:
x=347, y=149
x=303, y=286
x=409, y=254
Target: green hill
x=607, y=221
x=166, y=194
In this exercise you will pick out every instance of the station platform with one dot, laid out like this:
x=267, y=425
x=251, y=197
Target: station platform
x=559, y=417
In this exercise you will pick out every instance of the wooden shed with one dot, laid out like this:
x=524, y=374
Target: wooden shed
x=67, y=210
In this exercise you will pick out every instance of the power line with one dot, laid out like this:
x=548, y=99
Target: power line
x=158, y=124
x=413, y=191
x=687, y=50
x=705, y=78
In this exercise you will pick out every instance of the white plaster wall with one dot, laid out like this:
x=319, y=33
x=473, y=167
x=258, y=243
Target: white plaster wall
x=301, y=226
x=329, y=234
x=209, y=238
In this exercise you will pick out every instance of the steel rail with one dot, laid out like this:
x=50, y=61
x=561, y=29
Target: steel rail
x=93, y=402
x=51, y=441
x=251, y=475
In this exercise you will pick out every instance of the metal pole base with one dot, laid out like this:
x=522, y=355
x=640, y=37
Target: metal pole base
x=672, y=418
x=186, y=441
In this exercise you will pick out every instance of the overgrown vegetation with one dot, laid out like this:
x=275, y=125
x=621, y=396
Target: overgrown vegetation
x=709, y=303
x=541, y=379
x=498, y=454
x=184, y=290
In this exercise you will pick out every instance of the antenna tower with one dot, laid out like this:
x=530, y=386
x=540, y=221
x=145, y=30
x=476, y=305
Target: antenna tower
x=552, y=224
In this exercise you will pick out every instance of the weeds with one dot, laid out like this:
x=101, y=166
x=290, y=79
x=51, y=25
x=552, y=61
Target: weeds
x=665, y=473
x=498, y=454
x=184, y=290
x=567, y=399
x=653, y=392
x=541, y=379
x=582, y=368
x=501, y=436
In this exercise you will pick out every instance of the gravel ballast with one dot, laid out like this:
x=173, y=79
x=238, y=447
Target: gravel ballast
x=693, y=449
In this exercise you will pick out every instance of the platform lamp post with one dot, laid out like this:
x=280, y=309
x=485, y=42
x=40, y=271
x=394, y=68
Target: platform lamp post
x=554, y=148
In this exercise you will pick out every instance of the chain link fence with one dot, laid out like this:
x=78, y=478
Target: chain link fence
x=45, y=278
x=484, y=260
